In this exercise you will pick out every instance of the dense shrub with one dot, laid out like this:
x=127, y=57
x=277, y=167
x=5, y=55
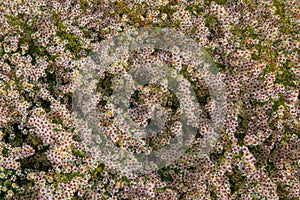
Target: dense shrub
x=255, y=44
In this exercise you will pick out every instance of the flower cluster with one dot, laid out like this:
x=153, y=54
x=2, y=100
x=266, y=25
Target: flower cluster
x=45, y=150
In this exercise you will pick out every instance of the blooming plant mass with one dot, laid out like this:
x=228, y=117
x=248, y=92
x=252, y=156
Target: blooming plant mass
x=140, y=99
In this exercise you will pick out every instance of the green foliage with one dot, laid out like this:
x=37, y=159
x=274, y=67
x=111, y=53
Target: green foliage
x=220, y=2
x=64, y=178
x=78, y=153
x=285, y=76
x=99, y=169
x=236, y=180
x=277, y=103
x=83, y=5
x=126, y=179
